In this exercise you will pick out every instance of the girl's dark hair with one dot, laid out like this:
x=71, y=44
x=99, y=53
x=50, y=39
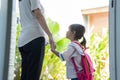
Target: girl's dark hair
x=80, y=31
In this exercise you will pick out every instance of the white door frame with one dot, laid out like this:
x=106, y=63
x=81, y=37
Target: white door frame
x=114, y=39
x=6, y=23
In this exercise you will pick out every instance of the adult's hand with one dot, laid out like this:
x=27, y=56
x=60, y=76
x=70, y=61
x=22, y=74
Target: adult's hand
x=52, y=43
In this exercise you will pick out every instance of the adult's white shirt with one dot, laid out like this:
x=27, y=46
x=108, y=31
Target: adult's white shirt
x=31, y=29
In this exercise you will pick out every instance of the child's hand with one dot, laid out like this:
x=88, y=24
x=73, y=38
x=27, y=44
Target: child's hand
x=53, y=50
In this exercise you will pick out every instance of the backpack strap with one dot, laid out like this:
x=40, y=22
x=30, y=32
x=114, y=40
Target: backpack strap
x=75, y=67
x=73, y=61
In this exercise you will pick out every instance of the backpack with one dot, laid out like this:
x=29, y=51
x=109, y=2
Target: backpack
x=87, y=72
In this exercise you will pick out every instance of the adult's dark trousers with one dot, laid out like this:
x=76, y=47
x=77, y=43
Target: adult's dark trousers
x=32, y=59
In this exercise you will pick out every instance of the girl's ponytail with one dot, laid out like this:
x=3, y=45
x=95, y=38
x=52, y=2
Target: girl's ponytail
x=83, y=43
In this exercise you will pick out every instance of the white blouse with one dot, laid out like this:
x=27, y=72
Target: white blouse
x=75, y=51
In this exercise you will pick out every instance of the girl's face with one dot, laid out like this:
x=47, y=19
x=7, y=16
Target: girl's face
x=70, y=34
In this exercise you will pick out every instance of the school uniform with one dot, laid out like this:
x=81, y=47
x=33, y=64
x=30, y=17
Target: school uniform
x=73, y=50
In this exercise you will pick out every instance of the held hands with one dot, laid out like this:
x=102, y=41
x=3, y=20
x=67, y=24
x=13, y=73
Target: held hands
x=53, y=46
x=53, y=50
x=52, y=43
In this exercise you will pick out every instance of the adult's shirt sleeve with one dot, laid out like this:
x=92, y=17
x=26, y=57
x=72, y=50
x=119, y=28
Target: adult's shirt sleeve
x=66, y=55
x=35, y=4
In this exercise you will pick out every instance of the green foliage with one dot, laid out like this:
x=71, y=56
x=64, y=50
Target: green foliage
x=99, y=49
x=53, y=26
x=17, y=57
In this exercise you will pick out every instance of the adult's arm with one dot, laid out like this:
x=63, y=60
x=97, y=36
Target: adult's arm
x=42, y=21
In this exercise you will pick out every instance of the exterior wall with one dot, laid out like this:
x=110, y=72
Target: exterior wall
x=98, y=22
x=98, y=19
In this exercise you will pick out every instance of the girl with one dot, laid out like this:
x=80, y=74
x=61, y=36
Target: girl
x=75, y=32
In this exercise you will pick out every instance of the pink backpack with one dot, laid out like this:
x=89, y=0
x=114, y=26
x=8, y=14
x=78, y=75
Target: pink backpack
x=87, y=73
